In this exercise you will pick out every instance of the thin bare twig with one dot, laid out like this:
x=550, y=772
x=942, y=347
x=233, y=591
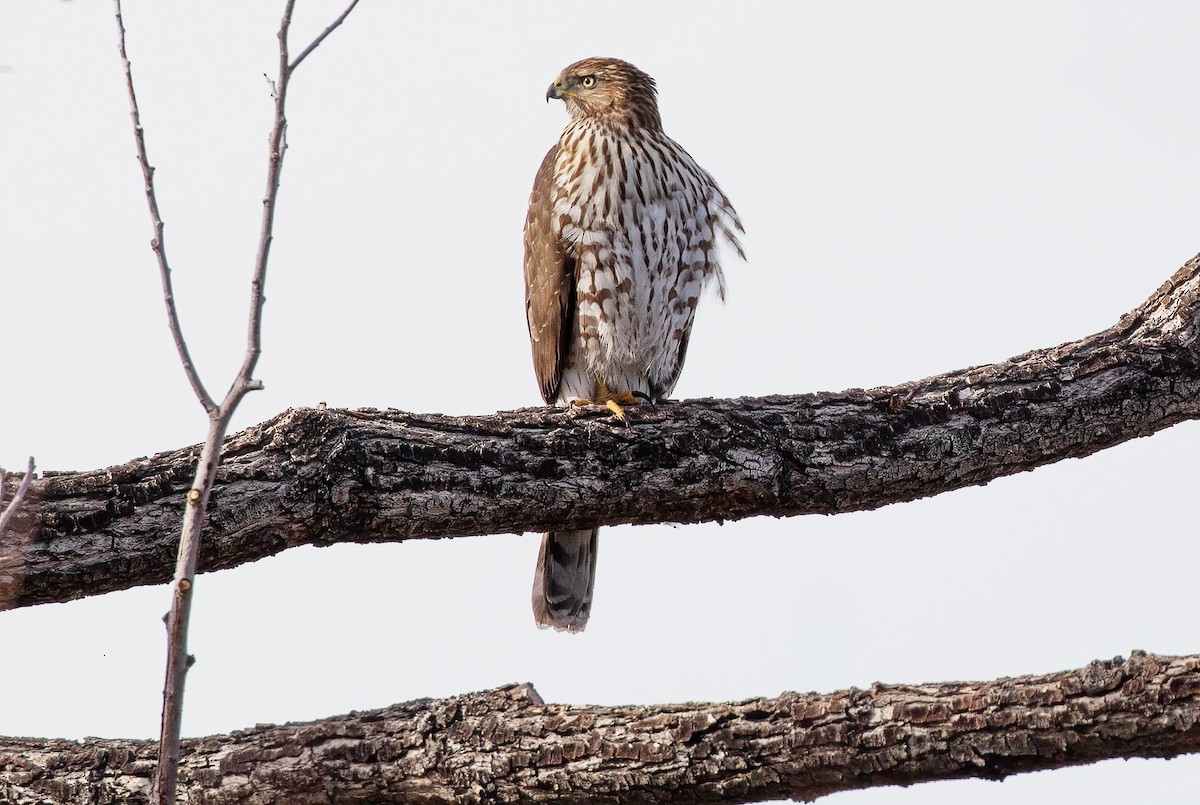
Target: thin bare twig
x=276, y=150
x=178, y=659
x=10, y=511
x=158, y=244
x=317, y=42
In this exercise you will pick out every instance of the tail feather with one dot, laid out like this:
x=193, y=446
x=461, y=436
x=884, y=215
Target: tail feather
x=563, y=579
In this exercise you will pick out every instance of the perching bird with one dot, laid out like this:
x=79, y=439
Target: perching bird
x=620, y=240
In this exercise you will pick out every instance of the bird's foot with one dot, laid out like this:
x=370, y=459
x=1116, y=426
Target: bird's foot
x=614, y=401
x=617, y=410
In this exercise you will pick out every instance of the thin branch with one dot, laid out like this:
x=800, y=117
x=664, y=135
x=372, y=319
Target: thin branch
x=317, y=42
x=277, y=148
x=10, y=511
x=197, y=499
x=158, y=244
x=178, y=659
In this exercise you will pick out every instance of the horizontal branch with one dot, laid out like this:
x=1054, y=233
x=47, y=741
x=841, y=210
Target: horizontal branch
x=314, y=476
x=505, y=745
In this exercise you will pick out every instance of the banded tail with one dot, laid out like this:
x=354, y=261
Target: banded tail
x=564, y=578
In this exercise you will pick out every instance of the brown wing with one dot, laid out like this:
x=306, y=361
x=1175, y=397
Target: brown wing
x=549, y=285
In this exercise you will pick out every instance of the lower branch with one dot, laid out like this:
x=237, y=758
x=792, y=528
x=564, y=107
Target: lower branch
x=505, y=745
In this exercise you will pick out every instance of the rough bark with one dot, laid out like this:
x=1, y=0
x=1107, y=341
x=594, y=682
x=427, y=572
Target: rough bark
x=312, y=476
x=504, y=745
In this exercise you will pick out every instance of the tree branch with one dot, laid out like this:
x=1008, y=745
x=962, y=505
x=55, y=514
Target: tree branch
x=158, y=242
x=198, y=496
x=504, y=745
x=324, y=476
x=9, y=511
x=277, y=147
x=12, y=545
x=316, y=43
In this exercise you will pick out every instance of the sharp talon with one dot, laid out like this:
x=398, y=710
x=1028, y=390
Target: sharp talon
x=642, y=396
x=617, y=410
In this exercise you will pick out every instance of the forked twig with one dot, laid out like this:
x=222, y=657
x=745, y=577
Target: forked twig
x=317, y=42
x=178, y=660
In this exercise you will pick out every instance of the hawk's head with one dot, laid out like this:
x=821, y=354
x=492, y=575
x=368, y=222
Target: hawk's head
x=607, y=88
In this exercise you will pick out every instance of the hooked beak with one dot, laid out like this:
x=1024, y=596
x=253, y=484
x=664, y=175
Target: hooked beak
x=555, y=91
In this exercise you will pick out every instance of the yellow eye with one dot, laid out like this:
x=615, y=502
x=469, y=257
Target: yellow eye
x=588, y=81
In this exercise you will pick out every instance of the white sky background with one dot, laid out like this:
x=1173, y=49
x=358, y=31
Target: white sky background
x=925, y=186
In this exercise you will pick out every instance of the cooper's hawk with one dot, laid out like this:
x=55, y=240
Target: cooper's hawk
x=620, y=240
